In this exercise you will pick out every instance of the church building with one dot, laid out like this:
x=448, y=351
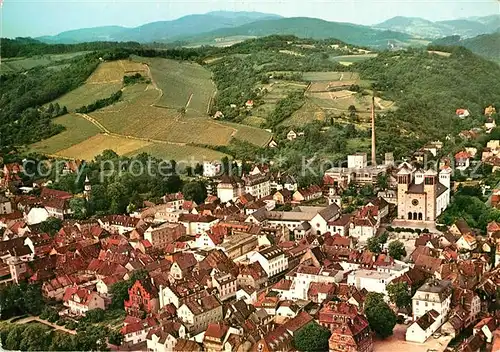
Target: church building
x=422, y=195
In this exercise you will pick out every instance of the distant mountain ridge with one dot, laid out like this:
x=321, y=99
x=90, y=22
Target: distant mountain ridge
x=419, y=27
x=164, y=31
x=305, y=27
x=212, y=26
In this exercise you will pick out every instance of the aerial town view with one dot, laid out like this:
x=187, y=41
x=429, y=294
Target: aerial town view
x=250, y=176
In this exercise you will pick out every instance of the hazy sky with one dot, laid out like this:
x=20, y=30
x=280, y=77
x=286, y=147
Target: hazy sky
x=48, y=17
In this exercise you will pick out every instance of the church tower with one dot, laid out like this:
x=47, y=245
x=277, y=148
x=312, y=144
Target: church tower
x=445, y=180
x=430, y=187
x=404, y=180
x=87, y=188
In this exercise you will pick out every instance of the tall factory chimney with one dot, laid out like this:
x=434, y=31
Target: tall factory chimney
x=374, y=160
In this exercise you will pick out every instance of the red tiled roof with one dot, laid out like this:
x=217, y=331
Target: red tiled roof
x=298, y=322
x=55, y=203
x=216, y=330
x=283, y=285
x=54, y=193
x=196, y=218
x=493, y=226
x=184, y=260
x=146, y=243
x=462, y=155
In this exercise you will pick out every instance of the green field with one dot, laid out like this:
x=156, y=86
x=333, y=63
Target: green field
x=309, y=112
x=254, y=121
x=140, y=121
x=95, y=145
x=250, y=134
x=104, y=81
x=355, y=145
x=276, y=90
x=87, y=94
x=180, y=152
x=184, y=84
x=330, y=76
x=77, y=130
x=350, y=59
x=23, y=64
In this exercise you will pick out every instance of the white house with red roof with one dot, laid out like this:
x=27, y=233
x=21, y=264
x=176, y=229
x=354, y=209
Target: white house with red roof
x=466, y=242
x=196, y=223
x=197, y=314
x=103, y=286
x=462, y=113
x=80, y=300
x=487, y=327
x=135, y=331
x=164, y=338
x=363, y=227
x=462, y=160
x=208, y=239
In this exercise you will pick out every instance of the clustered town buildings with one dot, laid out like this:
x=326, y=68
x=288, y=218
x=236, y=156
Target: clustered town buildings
x=238, y=273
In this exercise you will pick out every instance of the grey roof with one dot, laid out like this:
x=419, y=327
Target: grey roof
x=289, y=215
x=442, y=287
x=260, y=214
x=426, y=320
x=3, y=199
x=271, y=252
x=304, y=226
x=419, y=188
x=330, y=212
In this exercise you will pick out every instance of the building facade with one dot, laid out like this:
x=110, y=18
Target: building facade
x=422, y=196
x=433, y=295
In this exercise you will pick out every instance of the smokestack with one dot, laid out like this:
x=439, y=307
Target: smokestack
x=374, y=160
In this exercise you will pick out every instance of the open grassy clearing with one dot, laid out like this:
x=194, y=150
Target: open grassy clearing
x=254, y=121
x=95, y=145
x=327, y=100
x=77, y=131
x=291, y=52
x=23, y=64
x=341, y=100
x=223, y=41
x=180, y=152
x=350, y=59
x=440, y=53
x=184, y=84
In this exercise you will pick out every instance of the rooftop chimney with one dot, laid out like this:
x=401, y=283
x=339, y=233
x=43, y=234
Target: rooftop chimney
x=374, y=161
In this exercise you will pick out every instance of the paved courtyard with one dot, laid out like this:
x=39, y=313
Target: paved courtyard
x=397, y=343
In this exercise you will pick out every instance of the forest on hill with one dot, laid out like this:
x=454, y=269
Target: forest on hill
x=486, y=45
x=427, y=89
